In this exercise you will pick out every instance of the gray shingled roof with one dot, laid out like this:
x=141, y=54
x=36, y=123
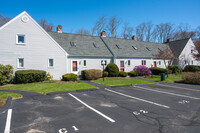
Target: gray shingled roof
x=127, y=49
x=178, y=45
x=84, y=45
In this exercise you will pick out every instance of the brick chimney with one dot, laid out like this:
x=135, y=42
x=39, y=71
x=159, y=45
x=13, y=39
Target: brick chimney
x=169, y=40
x=134, y=38
x=103, y=34
x=59, y=29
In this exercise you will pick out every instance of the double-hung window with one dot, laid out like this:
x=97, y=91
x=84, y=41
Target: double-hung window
x=20, y=39
x=50, y=63
x=84, y=63
x=129, y=62
x=20, y=63
x=143, y=62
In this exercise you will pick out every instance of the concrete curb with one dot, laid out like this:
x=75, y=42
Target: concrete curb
x=65, y=92
x=7, y=105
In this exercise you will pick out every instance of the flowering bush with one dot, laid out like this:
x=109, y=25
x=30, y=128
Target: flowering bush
x=142, y=70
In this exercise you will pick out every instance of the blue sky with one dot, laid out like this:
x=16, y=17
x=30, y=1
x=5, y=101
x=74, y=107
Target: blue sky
x=74, y=14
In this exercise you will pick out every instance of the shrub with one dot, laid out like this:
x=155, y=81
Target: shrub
x=91, y=74
x=69, y=77
x=132, y=74
x=105, y=74
x=123, y=74
x=49, y=76
x=191, y=68
x=170, y=72
x=112, y=69
x=30, y=76
x=157, y=70
x=6, y=74
x=142, y=70
x=191, y=77
x=174, y=68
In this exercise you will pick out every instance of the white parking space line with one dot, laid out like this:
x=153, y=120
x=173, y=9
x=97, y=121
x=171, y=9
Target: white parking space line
x=139, y=99
x=179, y=87
x=169, y=93
x=98, y=112
x=8, y=121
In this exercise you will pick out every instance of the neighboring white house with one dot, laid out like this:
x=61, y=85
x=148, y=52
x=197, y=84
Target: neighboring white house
x=24, y=44
x=184, y=49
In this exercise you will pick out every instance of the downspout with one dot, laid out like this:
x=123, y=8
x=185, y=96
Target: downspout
x=109, y=50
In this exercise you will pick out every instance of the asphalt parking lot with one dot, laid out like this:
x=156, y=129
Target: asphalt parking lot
x=147, y=108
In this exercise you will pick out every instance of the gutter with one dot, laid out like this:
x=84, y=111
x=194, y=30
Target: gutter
x=109, y=49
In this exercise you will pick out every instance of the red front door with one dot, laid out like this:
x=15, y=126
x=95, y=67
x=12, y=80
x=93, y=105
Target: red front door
x=74, y=66
x=154, y=64
x=122, y=66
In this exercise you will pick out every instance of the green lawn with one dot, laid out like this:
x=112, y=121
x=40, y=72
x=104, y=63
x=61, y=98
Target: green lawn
x=5, y=95
x=120, y=81
x=170, y=78
x=46, y=87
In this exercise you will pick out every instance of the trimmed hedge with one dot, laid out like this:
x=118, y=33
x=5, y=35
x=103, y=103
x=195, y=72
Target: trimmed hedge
x=105, y=74
x=157, y=70
x=112, y=69
x=6, y=74
x=191, y=68
x=174, y=68
x=123, y=74
x=69, y=77
x=133, y=74
x=30, y=76
x=91, y=74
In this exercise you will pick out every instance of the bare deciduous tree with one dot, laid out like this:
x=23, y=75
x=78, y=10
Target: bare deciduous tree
x=140, y=32
x=196, y=53
x=127, y=32
x=148, y=31
x=99, y=26
x=162, y=32
x=167, y=55
x=183, y=32
x=3, y=20
x=83, y=31
x=112, y=26
x=144, y=31
x=44, y=24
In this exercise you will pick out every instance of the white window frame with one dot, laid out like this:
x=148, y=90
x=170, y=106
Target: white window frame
x=85, y=63
x=72, y=66
x=53, y=62
x=144, y=62
x=18, y=63
x=17, y=39
x=128, y=64
x=159, y=62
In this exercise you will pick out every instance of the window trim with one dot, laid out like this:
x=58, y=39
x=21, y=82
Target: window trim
x=53, y=63
x=143, y=62
x=18, y=63
x=85, y=63
x=18, y=40
x=130, y=63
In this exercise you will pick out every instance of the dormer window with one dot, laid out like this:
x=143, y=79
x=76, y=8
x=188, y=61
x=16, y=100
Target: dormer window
x=96, y=45
x=20, y=39
x=73, y=44
x=118, y=46
x=148, y=49
x=134, y=47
